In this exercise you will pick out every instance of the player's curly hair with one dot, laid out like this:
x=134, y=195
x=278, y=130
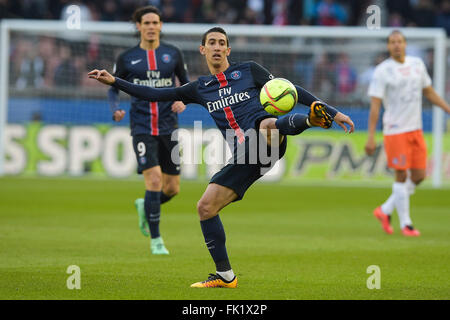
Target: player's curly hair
x=140, y=12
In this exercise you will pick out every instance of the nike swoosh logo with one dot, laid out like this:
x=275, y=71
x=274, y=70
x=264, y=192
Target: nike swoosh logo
x=136, y=61
x=206, y=83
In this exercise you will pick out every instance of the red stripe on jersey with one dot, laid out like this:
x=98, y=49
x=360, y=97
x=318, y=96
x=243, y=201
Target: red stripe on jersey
x=154, y=128
x=222, y=79
x=154, y=118
x=233, y=124
x=151, y=59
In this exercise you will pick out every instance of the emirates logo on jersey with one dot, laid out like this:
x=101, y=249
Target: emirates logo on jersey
x=227, y=98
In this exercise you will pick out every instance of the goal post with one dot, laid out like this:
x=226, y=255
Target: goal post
x=276, y=47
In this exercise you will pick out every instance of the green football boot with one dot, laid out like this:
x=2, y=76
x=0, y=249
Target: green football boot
x=143, y=224
x=157, y=246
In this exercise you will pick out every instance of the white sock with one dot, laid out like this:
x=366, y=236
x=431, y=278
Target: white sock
x=227, y=275
x=389, y=205
x=402, y=203
x=411, y=186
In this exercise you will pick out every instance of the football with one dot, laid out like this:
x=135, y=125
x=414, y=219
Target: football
x=278, y=96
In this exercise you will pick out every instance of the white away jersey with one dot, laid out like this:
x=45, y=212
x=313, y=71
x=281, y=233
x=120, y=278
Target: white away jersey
x=400, y=86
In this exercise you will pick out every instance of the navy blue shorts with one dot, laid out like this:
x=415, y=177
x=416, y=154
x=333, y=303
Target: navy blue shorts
x=154, y=151
x=239, y=177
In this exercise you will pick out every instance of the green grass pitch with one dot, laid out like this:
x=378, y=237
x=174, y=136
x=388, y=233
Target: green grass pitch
x=284, y=242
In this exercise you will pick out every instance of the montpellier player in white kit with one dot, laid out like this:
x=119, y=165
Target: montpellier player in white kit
x=399, y=83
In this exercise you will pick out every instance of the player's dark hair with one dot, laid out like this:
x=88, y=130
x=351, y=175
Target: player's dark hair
x=215, y=29
x=140, y=12
x=395, y=32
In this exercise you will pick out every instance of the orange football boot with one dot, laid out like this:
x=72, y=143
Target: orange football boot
x=215, y=281
x=384, y=219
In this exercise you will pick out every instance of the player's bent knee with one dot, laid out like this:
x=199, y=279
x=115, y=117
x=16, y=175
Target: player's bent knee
x=205, y=210
x=172, y=190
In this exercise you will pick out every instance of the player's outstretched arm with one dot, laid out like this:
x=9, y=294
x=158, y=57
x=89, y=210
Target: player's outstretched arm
x=138, y=91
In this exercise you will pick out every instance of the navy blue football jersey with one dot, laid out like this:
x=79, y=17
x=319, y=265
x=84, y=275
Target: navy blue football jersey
x=231, y=97
x=153, y=68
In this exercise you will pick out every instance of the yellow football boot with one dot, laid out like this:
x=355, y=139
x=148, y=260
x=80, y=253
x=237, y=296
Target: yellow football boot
x=318, y=116
x=215, y=281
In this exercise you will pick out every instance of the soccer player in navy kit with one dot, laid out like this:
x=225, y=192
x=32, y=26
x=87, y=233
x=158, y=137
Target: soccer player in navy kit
x=231, y=95
x=155, y=64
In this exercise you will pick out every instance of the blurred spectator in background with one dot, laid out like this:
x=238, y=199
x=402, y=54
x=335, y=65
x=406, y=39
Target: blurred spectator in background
x=443, y=17
x=225, y=14
x=30, y=66
x=366, y=76
x=423, y=14
x=329, y=13
x=304, y=70
x=169, y=12
x=395, y=20
x=47, y=50
x=248, y=16
x=346, y=76
x=34, y=9
x=295, y=13
x=6, y=12
x=66, y=73
x=109, y=11
x=207, y=13
x=255, y=9
x=36, y=62
x=280, y=12
x=401, y=8
x=324, y=77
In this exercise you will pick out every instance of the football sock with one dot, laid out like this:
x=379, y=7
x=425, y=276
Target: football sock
x=389, y=205
x=402, y=203
x=165, y=197
x=411, y=186
x=152, y=211
x=214, y=235
x=293, y=124
x=227, y=275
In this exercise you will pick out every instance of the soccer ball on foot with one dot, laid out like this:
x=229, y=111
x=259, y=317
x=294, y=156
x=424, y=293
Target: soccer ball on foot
x=278, y=96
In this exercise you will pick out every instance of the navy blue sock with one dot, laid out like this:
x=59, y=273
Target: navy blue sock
x=165, y=197
x=214, y=235
x=152, y=207
x=292, y=124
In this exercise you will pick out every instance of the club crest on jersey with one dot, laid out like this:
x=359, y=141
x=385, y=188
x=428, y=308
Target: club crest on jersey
x=236, y=74
x=166, y=58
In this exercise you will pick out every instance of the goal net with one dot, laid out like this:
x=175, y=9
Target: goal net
x=55, y=121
